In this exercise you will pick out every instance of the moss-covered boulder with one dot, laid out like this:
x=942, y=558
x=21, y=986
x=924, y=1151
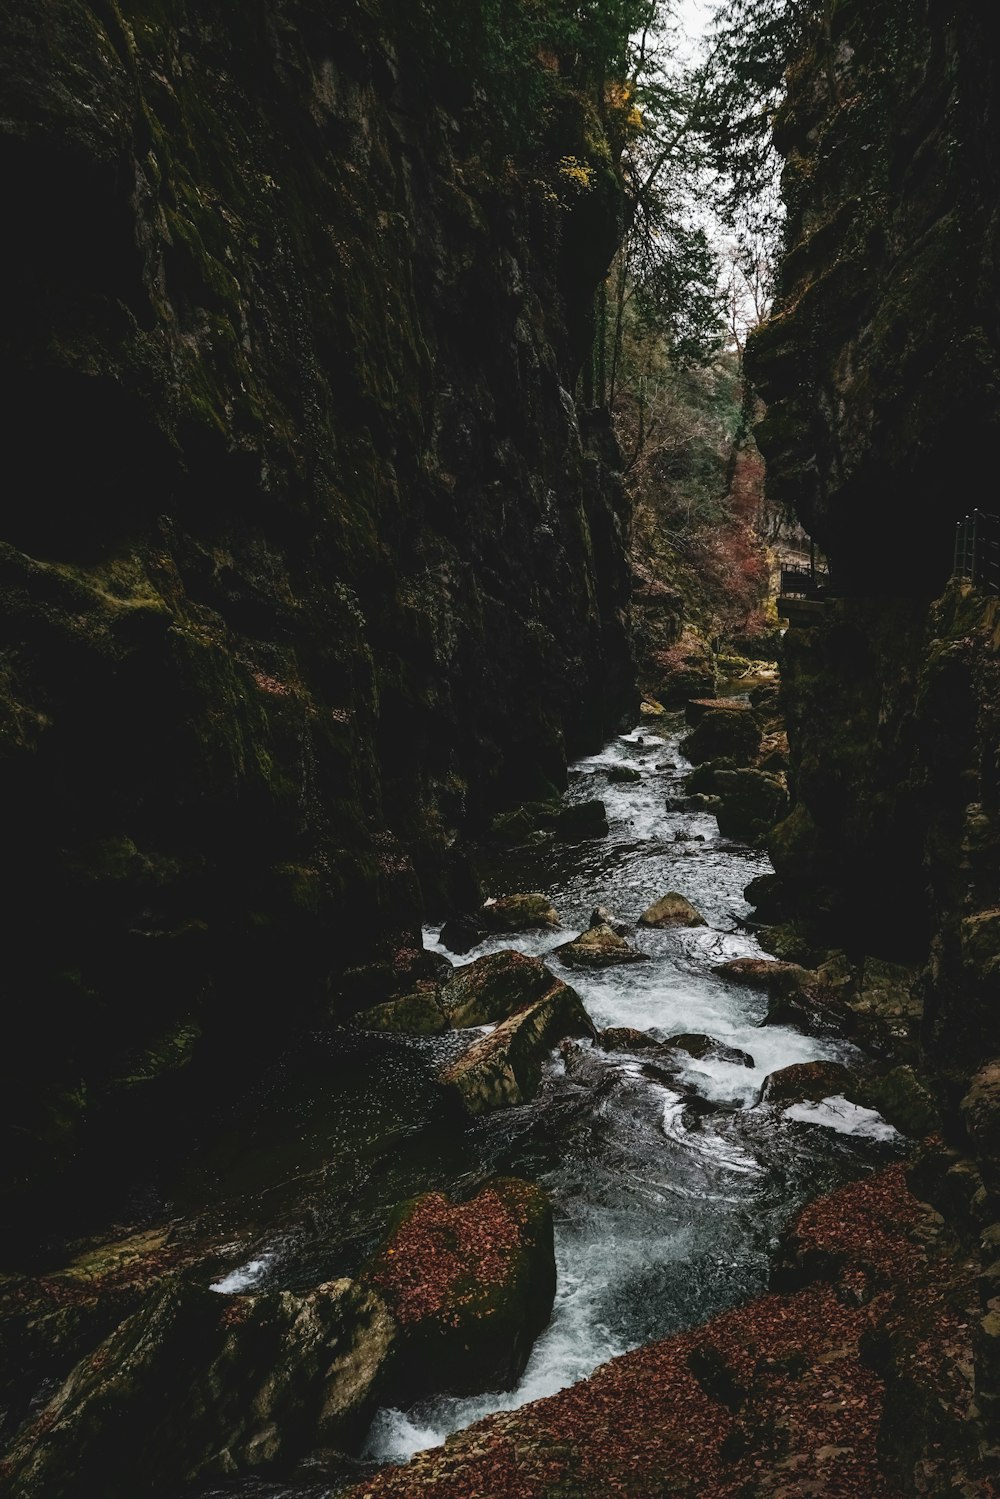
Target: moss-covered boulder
x=418, y=1014
x=627, y=1038
x=581, y=821
x=981, y=1115
x=492, y=988
x=198, y=1385
x=751, y=803
x=504, y=1069
x=470, y=1285
x=771, y=976
x=808, y=1081
x=724, y=732
x=518, y=913
x=624, y=775
x=598, y=947
x=672, y=909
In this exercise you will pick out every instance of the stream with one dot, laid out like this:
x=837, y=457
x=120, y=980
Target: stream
x=670, y=1192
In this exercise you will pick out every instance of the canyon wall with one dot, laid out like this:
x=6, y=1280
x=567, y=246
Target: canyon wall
x=881, y=372
x=308, y=559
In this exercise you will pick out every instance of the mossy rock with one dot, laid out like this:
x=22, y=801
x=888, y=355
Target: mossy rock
x=623, y=775
x=706, y=1048
x=471, y=1286
x=518, y=913
x=809, y=1081
x=598, y=947
x=265, y=1379
x=493, y=988
x=752, y=801
x=581, y=821
x=670, y=910
x=733, y=733
x=504, y=1069
x=417, y=1014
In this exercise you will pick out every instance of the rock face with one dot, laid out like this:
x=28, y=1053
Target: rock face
x=266, y=1378
x=879, y=368
x=308, y=554
x=471, y=1286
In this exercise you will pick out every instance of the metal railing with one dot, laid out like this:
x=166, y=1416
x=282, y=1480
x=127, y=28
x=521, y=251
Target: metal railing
x=802, y=582
x=977, y=550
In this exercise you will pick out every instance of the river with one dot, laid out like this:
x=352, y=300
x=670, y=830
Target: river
x=670, y=1191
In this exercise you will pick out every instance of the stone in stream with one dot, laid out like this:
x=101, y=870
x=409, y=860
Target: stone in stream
x=492, y=988
x=582, y=820
x=672, y=910
x=623, y=775
x=775, y=978
x=723, y=731
x=752, y=801
x=599, y=947
x=625, y=1038
x=504, y=1069
x=702, y=1047
x=471, y=1285
x=532, y=911
x=809, y=1081
x=697, y=707
x=601, y=916
x=264, y=1380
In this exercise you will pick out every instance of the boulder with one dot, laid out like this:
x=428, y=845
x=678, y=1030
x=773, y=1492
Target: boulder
x=752, y=801
x=808, y=1081
x=471, y=1285
x=702, y=1047
x=672, y=910
x=518, y=913
x=598, y=947
x=582, y=820
x=417, y=1014
x=650, y=708
x=492, y=988
x=767, y=974
x=698, y=707
x=601, y=916
x=729, y=732
x=623, y=775
x=702, y=778
x=498, y=916
x=768, y=895
x=265, y=1379
x=625, y=1038
x=522, y=824
x=504, y=1069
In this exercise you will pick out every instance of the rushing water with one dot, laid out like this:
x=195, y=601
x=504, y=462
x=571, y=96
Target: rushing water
x=669, y=1190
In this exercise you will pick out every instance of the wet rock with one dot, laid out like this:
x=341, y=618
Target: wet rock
x=265, y=1378
x=651, y=709
x=728, y=732
x=518, y=913
x=417, y=1014
x=508, y=913
x=624, y=1038
x=599, y=947
x=701, y=1047
x=601, y=916
x=773, y=977
x=522, y=824
x=581, y=821
x=492, y=988
x=768, y=895
x=808, y=1082
x=471, y=1285
x=504, y=1069
x=623, y=775
x=672, y=910
x=752, y=802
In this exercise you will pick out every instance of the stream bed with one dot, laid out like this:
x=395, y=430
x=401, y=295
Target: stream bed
x=670, y=1192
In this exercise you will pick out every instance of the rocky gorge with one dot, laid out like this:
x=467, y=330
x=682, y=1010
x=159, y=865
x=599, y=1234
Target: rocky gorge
x=426, y=1070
